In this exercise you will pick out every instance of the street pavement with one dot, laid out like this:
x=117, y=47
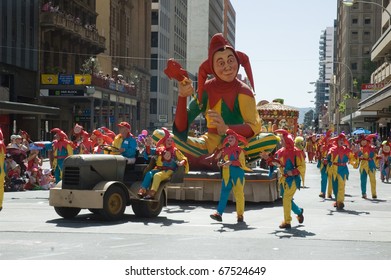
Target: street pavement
x=31, y=229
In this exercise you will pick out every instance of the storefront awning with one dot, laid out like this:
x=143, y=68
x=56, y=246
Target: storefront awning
x=377, y=101
x=25, y=108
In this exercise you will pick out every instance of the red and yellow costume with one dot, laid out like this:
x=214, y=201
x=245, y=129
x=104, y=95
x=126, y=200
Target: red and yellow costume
x=310, y=148
x=62, y=148
x=233, y=169
x=2, y=168
x=368, y=162
x=338, y=157
x=321, y=154
x=228, y=102
x=291, y=163
x=167, y=161
x=385, y=161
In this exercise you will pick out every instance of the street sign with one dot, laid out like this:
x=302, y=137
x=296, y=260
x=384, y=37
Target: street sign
x=163, y=118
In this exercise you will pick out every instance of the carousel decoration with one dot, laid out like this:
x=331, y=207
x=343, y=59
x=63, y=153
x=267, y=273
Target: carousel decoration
x=276, y=115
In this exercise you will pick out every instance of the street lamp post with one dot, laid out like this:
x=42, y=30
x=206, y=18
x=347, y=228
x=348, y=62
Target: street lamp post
x=349, y=3
x=351, y=88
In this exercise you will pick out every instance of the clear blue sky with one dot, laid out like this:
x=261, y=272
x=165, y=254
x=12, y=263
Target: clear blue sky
x=282, y=40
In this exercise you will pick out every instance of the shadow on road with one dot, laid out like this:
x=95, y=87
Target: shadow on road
x=93, y=220
x=233, y=227
x=293, y=232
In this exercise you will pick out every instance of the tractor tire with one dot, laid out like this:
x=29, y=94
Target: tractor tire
x=67, y=212
x=114, y=204
x=148, y=208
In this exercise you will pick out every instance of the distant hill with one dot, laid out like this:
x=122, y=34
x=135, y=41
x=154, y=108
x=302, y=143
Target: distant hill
x=302, y=112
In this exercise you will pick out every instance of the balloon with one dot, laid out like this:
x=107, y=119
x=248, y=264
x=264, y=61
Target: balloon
x=144, y=132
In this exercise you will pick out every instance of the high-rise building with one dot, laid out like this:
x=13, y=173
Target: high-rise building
x=168, y=40
x=322, y=97
x=358, y=29
x=380, y=98
x=20, y=107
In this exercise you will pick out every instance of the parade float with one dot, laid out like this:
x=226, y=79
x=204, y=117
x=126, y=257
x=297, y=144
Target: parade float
x=276, y=115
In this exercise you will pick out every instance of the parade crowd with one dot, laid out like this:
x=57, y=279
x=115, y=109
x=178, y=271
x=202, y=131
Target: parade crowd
x=233, y=138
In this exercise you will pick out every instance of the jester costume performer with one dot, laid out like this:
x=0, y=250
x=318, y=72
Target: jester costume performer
x=291, y=163
x=299, y=143
x=62, y=148
x=310, y=147
x=368, y=161
x=226, y=103
x=2, y=168
x=385, y=161
x=322, y=151
x=233, y=166
x=339, y=156
x=167, y=161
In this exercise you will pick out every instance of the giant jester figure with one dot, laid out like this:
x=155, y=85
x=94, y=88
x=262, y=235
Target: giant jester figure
x=62, y=148
x=226, y=102
x=2, y=168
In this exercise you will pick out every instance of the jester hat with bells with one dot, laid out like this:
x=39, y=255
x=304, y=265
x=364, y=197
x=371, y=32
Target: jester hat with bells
x=386, y=147
x=161, y=144
x=219, y=89
x=367, y=138
x=342, y=136
x=288, y=138
x=62, y=139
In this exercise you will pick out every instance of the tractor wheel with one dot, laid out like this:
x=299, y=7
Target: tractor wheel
x=114, y=203
x=148, y=208
x=67, y=212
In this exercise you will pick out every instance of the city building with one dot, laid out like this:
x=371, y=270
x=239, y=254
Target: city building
x=85, y=62
x=379, y=101
x=322, y=85
x=358, y=29
x=20, y=105
x=168, y=40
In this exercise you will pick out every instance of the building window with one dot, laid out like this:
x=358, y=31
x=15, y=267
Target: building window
x=153, y=83
x=154, y=61
x=153, y=106
x=154, y=39
x=354, y=20
x=155, y=18
x=354, y=66
x=367, y=21
x=354, y=35
x=367, y=35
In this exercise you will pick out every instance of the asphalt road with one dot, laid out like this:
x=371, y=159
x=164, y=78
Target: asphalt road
x=31, y=230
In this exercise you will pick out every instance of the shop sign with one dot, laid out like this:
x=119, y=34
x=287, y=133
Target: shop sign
x=371, y=119
x=66, y=92
x=66, y=80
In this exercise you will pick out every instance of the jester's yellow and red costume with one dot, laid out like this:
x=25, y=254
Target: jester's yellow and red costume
x=385, y=161
x=62, y=148
x=338, y=157
x=322, y=151
x=310, y=147
x=233, y=175
x=368, y=162
x=2, y=168
x=233, y=100
x=168, y=157
x=291, y=163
